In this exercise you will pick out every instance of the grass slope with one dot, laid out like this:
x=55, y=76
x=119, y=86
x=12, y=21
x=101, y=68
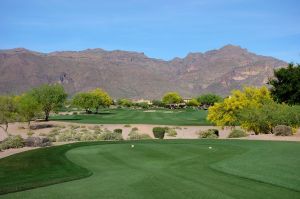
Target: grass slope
x=162, y=169
x=130, y=116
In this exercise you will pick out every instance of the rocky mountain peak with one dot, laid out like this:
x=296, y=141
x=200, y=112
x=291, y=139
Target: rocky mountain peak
x=133, y=74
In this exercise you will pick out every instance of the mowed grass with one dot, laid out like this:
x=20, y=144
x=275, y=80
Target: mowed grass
x=157, y=169
x=131, y=116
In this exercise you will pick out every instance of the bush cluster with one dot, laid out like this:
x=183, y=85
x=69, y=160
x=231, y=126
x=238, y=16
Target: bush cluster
x=237, y=133
x=77, y=134
x=209, y=134
x=13, y=141
x=282, y=130
x=171, y=132
x=108, y=135
x=159, y=132
x=135, y=135
x=118, y=131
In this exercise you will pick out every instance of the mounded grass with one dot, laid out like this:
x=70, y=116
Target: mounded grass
x=131, y=116
x=156, y=169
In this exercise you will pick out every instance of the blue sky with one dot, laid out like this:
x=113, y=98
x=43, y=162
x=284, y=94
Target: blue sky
x=160, y=28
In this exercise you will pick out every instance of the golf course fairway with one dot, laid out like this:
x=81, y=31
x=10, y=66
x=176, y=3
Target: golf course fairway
x=155, y=169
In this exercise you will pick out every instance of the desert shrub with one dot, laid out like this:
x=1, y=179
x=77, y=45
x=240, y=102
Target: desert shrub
x=30, y=133
x=61, y=126
x=13, y=141
x=73, y=127
x=159, y=132
x=134, y=135
x=171, y=132
x=52, y=134
x=134, y=129
x=96, y=128
x=108, y=135
x=127, y=125
x=118, y=131
x=282, y=130
x=216, y=131
x=87, y=136
x=42, y=134
x=84, y=131
x=66, y=136
x=209, y=134
x=237, y=133
x=54, y=131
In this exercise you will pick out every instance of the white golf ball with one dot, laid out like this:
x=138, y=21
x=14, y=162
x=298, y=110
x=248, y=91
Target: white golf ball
x=132, y=146
x=210, y=147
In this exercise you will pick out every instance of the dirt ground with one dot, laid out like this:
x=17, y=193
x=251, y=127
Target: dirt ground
x=183, y=132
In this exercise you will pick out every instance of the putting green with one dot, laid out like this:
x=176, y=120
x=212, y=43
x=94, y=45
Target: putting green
x=169, y=169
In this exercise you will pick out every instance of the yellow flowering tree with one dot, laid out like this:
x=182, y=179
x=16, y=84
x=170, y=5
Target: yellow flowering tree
x=100, y=98
x=226, y=113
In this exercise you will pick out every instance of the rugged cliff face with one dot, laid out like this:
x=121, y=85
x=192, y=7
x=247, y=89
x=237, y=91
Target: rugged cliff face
x=134, y=75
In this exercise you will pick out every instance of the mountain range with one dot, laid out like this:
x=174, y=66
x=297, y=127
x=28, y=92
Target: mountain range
x=125, y=74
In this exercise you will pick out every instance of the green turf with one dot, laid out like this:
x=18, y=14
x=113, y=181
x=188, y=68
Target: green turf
x=131, y=116
x=158, y=169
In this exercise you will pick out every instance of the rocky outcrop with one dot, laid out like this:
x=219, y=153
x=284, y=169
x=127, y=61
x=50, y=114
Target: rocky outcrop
x=133, y=74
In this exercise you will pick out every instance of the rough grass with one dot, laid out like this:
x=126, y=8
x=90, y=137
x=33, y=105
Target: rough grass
x=157, y=169
x=129, y=116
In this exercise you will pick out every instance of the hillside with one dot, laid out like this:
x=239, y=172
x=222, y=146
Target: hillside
x=134, y=75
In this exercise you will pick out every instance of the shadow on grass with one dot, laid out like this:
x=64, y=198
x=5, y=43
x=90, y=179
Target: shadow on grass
x=65, y=119
x=102, y=113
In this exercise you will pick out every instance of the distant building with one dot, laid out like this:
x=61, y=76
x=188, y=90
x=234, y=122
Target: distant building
x=142, y=101
x=187, y=100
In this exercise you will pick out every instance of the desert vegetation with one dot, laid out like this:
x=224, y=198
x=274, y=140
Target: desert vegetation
x=254, y=110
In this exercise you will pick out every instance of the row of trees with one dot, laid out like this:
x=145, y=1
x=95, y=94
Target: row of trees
x=33, y=103
x=205, y=99
x=50, y=98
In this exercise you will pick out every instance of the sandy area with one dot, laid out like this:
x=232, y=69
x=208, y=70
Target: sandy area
x=183, y=132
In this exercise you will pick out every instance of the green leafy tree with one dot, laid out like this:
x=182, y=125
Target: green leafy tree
x=171, y=98
x=209, y=99
x=8, y=111
x=84, y=101
x=125, y=102
x=28, y=107
x=143, y=105
x=50, y=97
x=193, y=102
x=286, y=84
x=100, y=99
x=264, y=118
x=226, y=113
x=158, y=103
